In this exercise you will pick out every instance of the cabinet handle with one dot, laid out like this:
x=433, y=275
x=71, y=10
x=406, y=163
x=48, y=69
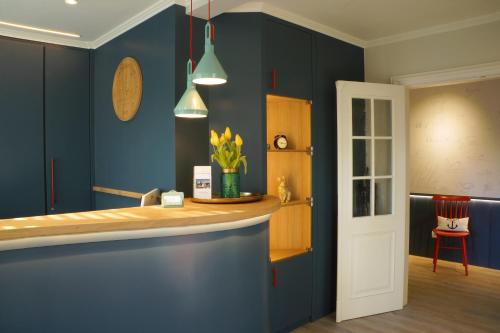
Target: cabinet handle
x=274, y=81
x=275, y=277
x=52, y=185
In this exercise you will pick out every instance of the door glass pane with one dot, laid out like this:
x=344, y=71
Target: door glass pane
x=361, y=117
x=383, y=157
x=383, y=117
x=383, y=196
x=361, y=157
x=361, y=198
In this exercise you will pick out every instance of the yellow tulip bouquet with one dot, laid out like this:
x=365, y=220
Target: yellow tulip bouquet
x=226, y=152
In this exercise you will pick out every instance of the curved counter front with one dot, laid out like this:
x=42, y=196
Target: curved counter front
x=201, y=268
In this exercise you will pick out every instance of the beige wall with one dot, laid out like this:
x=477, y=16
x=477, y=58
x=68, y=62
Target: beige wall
x=470, y=46
x=455, y=139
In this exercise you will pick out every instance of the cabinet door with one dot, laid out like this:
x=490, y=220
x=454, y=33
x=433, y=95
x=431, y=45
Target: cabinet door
x=22, y=186
x=291, y=292
x=333, y=60
x=67, y=123
x=288, y=60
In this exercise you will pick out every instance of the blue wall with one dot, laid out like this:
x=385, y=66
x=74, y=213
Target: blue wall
x=137, y=155
x=191, y=135
x=154, y=149
x=483, y=245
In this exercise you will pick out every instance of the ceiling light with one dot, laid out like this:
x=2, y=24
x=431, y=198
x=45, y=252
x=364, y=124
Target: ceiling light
x=27, y=27
x=190, y=105
x=71, y=2
x=209, y=71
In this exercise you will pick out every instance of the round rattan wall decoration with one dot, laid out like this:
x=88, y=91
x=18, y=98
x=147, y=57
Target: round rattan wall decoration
x=127, y=89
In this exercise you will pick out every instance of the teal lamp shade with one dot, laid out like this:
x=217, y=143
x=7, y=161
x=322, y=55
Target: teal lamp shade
x=209, y=70
x=190, y=105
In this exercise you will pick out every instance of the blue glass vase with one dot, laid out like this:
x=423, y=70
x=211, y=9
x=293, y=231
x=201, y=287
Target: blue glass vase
x=230, y=183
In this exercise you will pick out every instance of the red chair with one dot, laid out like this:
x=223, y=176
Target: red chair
x=451, y=207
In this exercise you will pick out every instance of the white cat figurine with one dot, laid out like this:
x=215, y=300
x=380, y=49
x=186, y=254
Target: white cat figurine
x=283, y=191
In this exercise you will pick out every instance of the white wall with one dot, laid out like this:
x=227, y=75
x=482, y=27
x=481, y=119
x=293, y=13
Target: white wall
x=454, y=139
x=465, y=47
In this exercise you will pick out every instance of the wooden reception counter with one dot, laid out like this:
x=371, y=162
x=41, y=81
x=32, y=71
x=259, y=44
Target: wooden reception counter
x=201, y=268
x=119, y=223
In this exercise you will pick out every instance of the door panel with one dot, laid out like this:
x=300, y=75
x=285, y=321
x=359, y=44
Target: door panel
x=288, y=51
x=291, y=293
x=67, y=120
x=372, y=198
x=373, y=256
x=22, y=186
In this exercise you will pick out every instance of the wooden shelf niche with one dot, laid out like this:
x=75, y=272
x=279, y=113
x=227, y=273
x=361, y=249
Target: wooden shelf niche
x=290, y=227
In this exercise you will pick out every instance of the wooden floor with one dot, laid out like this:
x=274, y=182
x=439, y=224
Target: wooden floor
x=446, y=301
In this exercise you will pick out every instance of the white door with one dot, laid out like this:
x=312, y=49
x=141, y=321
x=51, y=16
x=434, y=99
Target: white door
x=372, y=199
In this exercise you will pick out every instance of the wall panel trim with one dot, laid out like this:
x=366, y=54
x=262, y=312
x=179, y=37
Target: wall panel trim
x=449, y=76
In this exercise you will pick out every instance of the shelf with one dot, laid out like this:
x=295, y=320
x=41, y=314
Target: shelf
x=276, y=255
x=296, y=202
x=289, y=151
x=290, y=228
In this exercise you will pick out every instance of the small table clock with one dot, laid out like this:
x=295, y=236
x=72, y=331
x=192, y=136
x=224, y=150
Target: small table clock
x=280, y=142
x=172, y=199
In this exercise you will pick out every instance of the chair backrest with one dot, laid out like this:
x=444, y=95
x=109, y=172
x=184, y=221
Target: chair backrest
x=452, y=207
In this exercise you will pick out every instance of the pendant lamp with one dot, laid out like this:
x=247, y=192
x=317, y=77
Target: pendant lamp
x=190, y=105
x=209, y=71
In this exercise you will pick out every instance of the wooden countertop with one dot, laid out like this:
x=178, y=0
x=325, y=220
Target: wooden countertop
x=135, y=218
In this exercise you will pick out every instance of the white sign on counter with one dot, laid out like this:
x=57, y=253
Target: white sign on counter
x=202, y=182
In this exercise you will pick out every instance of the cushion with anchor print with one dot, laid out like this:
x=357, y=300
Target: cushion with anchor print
x=457, y=224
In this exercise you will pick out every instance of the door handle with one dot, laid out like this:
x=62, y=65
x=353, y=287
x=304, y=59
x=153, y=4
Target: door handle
x=52, y=185
x=275, y=277
x=274, y=80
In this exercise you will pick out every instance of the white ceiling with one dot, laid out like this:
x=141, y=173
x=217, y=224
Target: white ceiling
x=374, y=19
x=363, y=22
x=90, y=18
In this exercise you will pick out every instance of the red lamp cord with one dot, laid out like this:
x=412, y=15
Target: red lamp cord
x=212, y=33
x=191, y=36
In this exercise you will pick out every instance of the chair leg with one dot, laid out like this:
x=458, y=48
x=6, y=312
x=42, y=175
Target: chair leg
x=436, y=252
x=464, y=255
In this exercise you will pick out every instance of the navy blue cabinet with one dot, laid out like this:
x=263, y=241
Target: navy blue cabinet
x=333, y=60
x=44, y=129
x=67, y=129
x=288, y=70
x=240, y=103
x=291, y=292
x=306, y=65
x=22, y=183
